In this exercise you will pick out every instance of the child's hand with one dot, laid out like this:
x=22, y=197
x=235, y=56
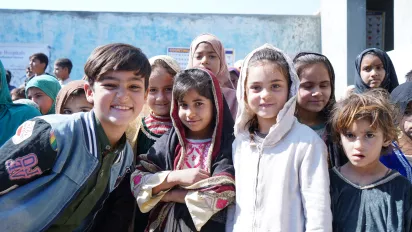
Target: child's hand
x=189, y=176
x=176, y=195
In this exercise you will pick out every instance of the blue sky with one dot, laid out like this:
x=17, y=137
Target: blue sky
x=286, y=7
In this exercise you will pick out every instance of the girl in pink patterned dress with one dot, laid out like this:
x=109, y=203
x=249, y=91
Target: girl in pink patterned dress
x=186, y=179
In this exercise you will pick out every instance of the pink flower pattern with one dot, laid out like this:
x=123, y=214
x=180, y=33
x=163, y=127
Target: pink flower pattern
x=221, y=203
x=196, y=155
x=137, y=179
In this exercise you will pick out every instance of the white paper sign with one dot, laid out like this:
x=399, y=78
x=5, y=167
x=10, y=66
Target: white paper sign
x=15, y=57
x=181, y=55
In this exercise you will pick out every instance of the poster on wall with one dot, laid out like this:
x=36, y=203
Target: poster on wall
x=181, y=55
x=375, y=29
x=15, y=57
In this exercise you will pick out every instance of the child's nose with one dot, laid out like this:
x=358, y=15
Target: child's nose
x=122, y=94
x=265, y=93
x=204, y=60
x=374, y=72
x=316, y=92
x=190, y=113
x=358, y=144
x=160, y=96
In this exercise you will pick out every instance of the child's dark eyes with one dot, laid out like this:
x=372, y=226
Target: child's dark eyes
x=367, y=69
x=326, y=85
x=135, y=87
x=275, y=86
x=182, y=105
x=67, y=112
x=255, y=87
x=169, y=89
x=198, y=103
x=349, y=135
x=109, y=86
x=370, y=135
x=307, y=86
x=152, y=90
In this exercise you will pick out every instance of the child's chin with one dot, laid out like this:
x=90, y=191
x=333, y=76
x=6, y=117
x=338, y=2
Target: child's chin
x=121, y=121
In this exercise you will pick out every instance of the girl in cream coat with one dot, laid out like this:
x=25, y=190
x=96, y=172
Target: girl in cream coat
x=282, y=181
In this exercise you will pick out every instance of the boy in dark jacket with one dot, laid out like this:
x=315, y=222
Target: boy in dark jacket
x=66, y=172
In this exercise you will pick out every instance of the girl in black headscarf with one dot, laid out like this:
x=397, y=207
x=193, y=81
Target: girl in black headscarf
x=374, y=69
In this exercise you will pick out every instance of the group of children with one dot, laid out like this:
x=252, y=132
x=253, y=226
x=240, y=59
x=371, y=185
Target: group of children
x=274, y=153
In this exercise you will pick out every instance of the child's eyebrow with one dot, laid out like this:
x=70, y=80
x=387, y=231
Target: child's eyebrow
x=277, y=80
x=272, y=81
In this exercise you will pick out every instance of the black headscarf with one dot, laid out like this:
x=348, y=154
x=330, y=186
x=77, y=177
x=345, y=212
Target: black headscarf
x=402, y=95
x=389, y=82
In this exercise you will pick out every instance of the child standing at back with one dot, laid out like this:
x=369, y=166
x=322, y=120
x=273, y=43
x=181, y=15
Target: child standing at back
x=280, y=165
x=186, y=178
x=43, y=91
x=316, y=95
x=402, y=96
x=154, y=125
x=207, y=52
x=72, y=99
x=159, y=98
x=374, y=69
x=366, y=195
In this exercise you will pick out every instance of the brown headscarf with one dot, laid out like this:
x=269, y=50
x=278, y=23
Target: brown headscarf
x=223, y=75
x=65, y=93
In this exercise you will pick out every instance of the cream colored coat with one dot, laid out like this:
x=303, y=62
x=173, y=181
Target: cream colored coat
x=283, y=183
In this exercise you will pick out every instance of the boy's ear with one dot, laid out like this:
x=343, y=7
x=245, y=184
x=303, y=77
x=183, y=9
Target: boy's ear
x=89, y=92
x=44, y=66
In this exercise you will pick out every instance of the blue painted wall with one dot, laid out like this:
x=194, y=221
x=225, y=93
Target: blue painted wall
x=75, y=34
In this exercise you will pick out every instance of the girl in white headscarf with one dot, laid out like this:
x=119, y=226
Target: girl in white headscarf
x=282, y=181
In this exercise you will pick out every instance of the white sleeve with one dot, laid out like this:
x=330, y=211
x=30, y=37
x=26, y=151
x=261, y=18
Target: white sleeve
x=314, y=185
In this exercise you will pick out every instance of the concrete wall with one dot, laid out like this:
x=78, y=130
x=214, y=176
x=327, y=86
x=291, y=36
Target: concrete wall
x=343, y=38
x=76, y=34
x=401, y=55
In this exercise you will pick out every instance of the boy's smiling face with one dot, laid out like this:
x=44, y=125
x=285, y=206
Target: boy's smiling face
x=118, y=98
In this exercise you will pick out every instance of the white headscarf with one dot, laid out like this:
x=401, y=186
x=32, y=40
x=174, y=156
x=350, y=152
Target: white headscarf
x=243, y=116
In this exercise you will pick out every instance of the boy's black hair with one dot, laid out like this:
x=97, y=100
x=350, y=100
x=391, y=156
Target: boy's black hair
x=41, y=57
x=117, y=57
x=64, y=63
